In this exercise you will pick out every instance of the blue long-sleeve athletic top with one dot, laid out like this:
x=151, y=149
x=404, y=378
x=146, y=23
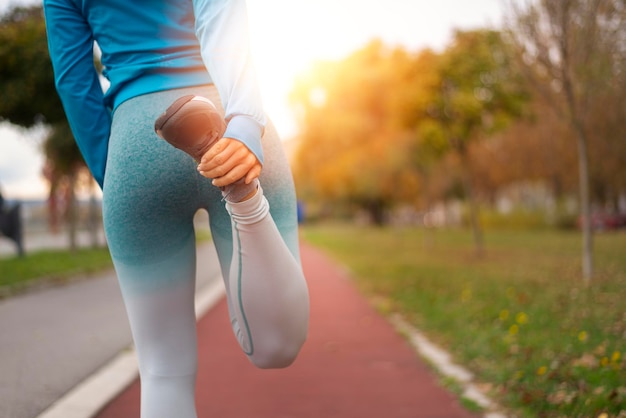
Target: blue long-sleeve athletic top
x=149, y=46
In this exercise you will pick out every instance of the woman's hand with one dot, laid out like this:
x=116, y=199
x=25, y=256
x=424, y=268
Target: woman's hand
x=227, y=161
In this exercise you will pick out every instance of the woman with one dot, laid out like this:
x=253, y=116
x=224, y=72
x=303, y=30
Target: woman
x=155, y=52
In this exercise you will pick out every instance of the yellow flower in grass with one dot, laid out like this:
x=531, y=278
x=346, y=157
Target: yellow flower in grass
x=521, y=318
x=603, y=415
x=542, y=370
x=582, y=336
x=604, y=361
x=615, y=356
x=504, y=315
x=513, y=329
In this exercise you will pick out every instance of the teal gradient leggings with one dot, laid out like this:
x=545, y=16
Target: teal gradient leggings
x=151, y=193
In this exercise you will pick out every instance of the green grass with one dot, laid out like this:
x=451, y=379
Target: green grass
x=58, y=266
x=51, y=266
x=520, y=317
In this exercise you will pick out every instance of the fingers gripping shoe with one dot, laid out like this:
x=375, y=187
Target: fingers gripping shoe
x=193, y=124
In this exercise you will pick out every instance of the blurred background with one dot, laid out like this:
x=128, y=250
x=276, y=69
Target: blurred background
x=287, y=38
x=488, y=134
x=391, y=112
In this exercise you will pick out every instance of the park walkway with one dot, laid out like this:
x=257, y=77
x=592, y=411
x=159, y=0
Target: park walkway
x=353, y=365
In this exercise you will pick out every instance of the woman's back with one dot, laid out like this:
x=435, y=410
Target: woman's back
x=143, y=38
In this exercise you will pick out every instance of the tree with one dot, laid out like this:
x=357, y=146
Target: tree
x=479, y=94
x=534, y=148
x=27, y=92
x=68, y=162
x=573, y=53
x=356, y=118
x=28, y=97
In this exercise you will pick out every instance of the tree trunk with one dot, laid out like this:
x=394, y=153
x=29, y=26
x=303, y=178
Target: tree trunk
x=53, y=206
x=583, y=166
x=376, y=209
x=585, y=202
x=93, y=216
x=473, y=205
x=72, y=212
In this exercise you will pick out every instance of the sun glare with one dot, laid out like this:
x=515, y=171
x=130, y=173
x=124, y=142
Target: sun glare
x=288, y=36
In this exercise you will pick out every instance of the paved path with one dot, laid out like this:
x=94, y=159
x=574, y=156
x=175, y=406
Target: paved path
x=353, y=365
x=52, y=339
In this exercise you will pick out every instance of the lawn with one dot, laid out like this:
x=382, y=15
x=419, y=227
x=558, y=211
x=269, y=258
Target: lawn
x=58, y=266
x=50, y=266
x=520, y=317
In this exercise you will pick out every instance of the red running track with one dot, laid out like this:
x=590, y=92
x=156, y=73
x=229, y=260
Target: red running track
x=353, y=365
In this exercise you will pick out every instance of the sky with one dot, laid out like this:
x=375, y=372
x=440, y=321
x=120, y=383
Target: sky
x=286, y=37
